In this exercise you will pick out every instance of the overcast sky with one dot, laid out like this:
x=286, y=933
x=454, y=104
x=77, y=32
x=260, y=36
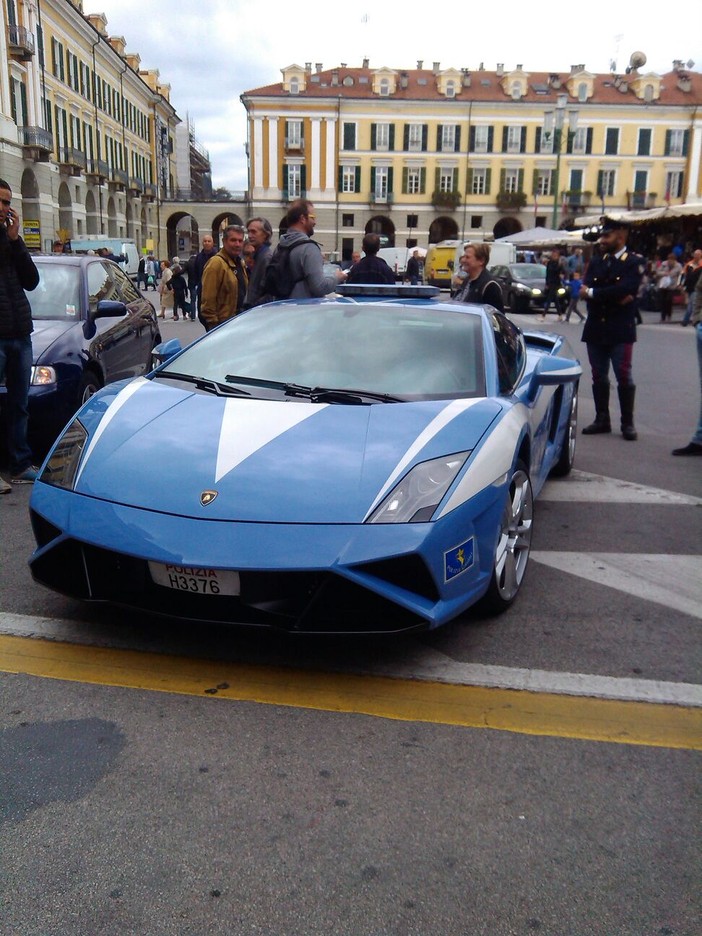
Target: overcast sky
x=212, y=51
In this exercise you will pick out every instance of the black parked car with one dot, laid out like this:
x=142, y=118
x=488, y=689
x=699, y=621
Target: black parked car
x=91, y=327
x=524, y=286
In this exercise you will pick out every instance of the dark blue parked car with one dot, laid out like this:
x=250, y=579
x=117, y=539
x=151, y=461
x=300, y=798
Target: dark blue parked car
x=91, y=327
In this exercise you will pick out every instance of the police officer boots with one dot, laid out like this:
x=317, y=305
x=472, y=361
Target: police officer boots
x=600, y=393
x=626, y=404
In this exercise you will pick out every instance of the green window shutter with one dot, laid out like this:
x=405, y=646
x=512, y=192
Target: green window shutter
x=535, y=182
x=285, y=181
x=391, y=138
x=504, y=139
x=391, y=173
x=491, y=139
x=422, y=180
x=405, y=180
x=349, y=136
x=488, y=177
x=425, y=137
x=520, y=180
x=374, y=134
x=457, y=143
x=454, y=183
x=303, y=181
x=437, y=178
x=439, y=131
x=471, y=140
x=405, y=138
x=357, y=174
x=588, y=143
x=686, y=141
x=569, y=140
x=537, y=142
x=523, y=142
x=372, y=179
x=469, y=181
x=600, y=183
x=668, y=135
x=503, y=178
x=340, y=182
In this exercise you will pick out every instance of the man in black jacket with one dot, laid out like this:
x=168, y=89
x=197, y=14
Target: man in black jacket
x=17, y=273
x=371, y=268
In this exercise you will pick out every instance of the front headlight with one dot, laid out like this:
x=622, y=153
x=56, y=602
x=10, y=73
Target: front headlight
x=417, y=496
x=520, y=287
x=42, y=376
x=536, y=291
x=561, y=291
x=61, y=468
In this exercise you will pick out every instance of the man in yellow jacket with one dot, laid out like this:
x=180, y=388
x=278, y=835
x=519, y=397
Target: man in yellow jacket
x=224, y=280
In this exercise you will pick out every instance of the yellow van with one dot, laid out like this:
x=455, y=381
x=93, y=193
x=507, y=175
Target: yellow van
x=441, y=263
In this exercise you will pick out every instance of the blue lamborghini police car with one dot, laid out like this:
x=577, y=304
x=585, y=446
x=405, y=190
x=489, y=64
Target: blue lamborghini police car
x=363, y=463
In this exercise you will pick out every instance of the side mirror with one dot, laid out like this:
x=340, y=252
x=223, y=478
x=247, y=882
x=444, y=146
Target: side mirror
x=110, y=308
x=165, y=351
x=552, y=371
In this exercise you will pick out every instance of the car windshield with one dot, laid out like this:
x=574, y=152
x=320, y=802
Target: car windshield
x=58, y=294
x=403, y=351
x=528, y=271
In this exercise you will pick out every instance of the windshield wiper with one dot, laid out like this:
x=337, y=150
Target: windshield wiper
x=204, y=383
x=339, y=395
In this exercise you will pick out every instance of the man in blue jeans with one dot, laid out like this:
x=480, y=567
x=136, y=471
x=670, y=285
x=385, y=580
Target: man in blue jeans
x=17, y=273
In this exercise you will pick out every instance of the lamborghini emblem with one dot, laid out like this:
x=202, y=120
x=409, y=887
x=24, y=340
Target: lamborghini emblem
x=207, y=497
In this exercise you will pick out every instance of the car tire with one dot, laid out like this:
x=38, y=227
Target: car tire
x=89, y=385
x=566, y=456
x=513, y=543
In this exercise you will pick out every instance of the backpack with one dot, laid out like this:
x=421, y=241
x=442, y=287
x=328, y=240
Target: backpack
x=278, y=281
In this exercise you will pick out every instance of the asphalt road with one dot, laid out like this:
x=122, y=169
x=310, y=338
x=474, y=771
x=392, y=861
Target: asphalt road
x=133, y=803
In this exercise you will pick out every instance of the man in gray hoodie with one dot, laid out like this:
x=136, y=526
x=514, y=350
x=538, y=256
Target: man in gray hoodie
x=306, y=264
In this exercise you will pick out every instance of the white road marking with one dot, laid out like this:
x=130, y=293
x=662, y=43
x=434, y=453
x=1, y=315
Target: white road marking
x=672, y=581
x=581, y=486
x=424, y=664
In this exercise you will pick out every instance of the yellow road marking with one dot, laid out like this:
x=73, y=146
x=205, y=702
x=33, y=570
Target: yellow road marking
x=513, y=710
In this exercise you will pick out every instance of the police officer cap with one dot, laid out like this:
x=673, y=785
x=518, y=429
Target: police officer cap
x=609, y=224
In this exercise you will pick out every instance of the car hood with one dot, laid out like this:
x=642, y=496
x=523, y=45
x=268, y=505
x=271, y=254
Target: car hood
x=162, y=448
x=46, y=332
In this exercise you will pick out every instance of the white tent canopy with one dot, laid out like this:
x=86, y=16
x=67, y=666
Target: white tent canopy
x=540, y=237
x=641, y=217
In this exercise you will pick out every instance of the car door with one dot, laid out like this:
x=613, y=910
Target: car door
x=111, y=337
x=141, y=322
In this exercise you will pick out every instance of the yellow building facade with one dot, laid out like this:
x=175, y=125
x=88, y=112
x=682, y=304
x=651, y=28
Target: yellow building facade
x=86, y=136
x=423, y=155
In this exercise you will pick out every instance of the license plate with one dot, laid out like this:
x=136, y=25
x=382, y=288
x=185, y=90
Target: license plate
x=196, y=580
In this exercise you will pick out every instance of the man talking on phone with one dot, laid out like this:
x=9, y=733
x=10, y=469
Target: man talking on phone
x=17, y=273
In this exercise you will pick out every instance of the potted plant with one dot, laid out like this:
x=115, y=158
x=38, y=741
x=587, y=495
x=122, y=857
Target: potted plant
x=448, y=201
x=511, y=201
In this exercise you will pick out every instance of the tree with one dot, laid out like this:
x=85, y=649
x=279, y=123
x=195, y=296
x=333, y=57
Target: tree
x=221, y=194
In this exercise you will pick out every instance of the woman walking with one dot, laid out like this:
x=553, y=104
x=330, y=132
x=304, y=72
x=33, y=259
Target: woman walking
x=164, y=290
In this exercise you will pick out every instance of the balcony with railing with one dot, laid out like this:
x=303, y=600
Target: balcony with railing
x=98, y=169
x=72, y=159
x=150, y=190
x=511, y=201
x=638, y=201
x=380, y=198
x=119, y=178
x=20, y=42
x=295, y=143
x=38, y=143
x=136, y=186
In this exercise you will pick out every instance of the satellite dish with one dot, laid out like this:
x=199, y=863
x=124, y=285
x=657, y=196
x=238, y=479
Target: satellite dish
x=637, y=60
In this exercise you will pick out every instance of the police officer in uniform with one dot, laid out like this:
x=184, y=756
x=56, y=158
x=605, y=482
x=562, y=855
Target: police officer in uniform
x=610, y=287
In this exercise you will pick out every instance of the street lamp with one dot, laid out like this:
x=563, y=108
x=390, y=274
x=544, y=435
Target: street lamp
x=553, y=128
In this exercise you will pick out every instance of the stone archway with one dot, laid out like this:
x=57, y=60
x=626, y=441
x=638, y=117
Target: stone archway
x=442, y=228
x=506, y=226
x=384, y=228
x=65, y=212
x=91, y=214
x=111, y=218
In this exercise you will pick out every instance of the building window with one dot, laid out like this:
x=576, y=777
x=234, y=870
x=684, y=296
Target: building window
x=606, y=179
x=448, y=138
x=294, y=85
x=384, y=87
x=414, y=183
x=479, y=182
x=294, y=182
x=382, y=136
x=450, y=89
x=511, y=180
x=544, y=182
x=580, y=141
x=673, y=185
x=514, y=140
x=482, y=138
x=544, y=140
x=347, y=220
x=675, y=143
x=380, y=189
x=644, y=147
x=476, y=221
x=293, y=134
x=349, y=136
x=612, y=141
x=447, y=179
x=348, y=179
x=516, y=90
x=582, y=92
x=414, y=140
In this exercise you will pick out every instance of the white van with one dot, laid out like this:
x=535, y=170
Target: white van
x=396, y=258
x=117, y=246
